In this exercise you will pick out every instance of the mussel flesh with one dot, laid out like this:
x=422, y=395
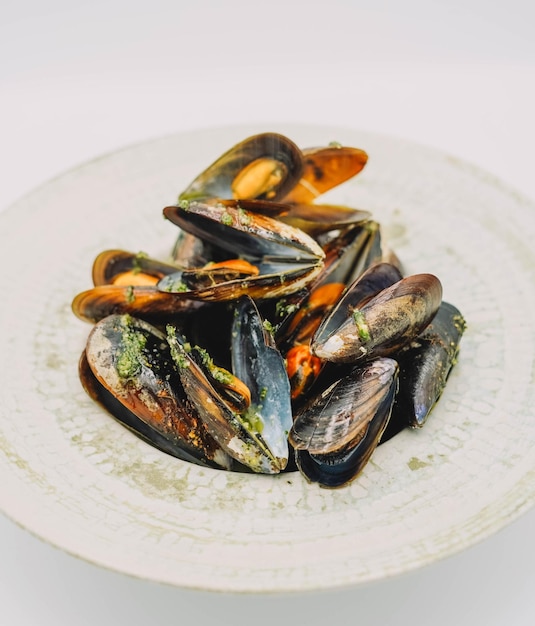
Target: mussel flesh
x=265, y=167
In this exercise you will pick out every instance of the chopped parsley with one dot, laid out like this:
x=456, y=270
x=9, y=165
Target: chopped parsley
x=130, y=296
x=137, y=263
x=130, y=357
x=226, y=218
x=362, y=326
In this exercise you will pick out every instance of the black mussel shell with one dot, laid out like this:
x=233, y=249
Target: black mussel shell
x=128, y=268
x=237, y=433
x=259, y=364
x=374, y=280
x=127, y=368
x=243, y=233
x=384, y=324
x=265, y=167
x=144, y=302
x=286, y=258
x=425, y=365
x=350, y=252
x=336, y=434
x=102, y=396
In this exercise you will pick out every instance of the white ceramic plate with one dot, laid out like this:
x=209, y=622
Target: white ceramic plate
x=76, y=478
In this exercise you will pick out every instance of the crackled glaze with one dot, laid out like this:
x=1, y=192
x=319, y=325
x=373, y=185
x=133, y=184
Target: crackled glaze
x=77, y=479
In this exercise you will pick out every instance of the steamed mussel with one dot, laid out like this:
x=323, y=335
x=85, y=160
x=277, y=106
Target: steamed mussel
x=279, y=335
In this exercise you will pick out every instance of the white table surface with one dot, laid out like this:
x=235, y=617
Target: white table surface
x=78, y=80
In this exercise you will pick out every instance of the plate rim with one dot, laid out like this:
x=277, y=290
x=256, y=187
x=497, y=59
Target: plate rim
x=488, y=177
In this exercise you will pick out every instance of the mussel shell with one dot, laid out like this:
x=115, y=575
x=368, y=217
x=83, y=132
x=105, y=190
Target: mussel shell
x=354, y=250
x=235, y=433
x=336, y=418
x=219, y=179
x=110, y=264
x=148, y=303
x=244, y=233
x=287, y=258
x=127, y=368
x=425, y=365
x=325, y=168
x=168, y=444
x=362, y=290
x=274, y=281
x=190, y=251
x=383, y=325
x=259, y=364
x=336, y=434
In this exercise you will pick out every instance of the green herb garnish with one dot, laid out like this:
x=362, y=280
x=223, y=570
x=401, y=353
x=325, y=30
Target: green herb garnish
x=362, y=326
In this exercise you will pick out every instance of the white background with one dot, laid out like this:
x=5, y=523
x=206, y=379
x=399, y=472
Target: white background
x=79, y=80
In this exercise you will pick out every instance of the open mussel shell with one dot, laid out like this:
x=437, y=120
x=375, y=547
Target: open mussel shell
x=216, y=273
x=243, y=232
x=237, y=433
x=337, y=432
x=425, y=365
x=127, y=417
x=287, y=259
x=265, y=166
x=384, y=324
x=127, y=368
x=145, y=302
x=120, y=267
x=257, y=361
x=190, y=251
x=323, y=169
x=275, y=280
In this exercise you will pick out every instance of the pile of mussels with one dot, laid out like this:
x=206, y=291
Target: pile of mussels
x=280, y=334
